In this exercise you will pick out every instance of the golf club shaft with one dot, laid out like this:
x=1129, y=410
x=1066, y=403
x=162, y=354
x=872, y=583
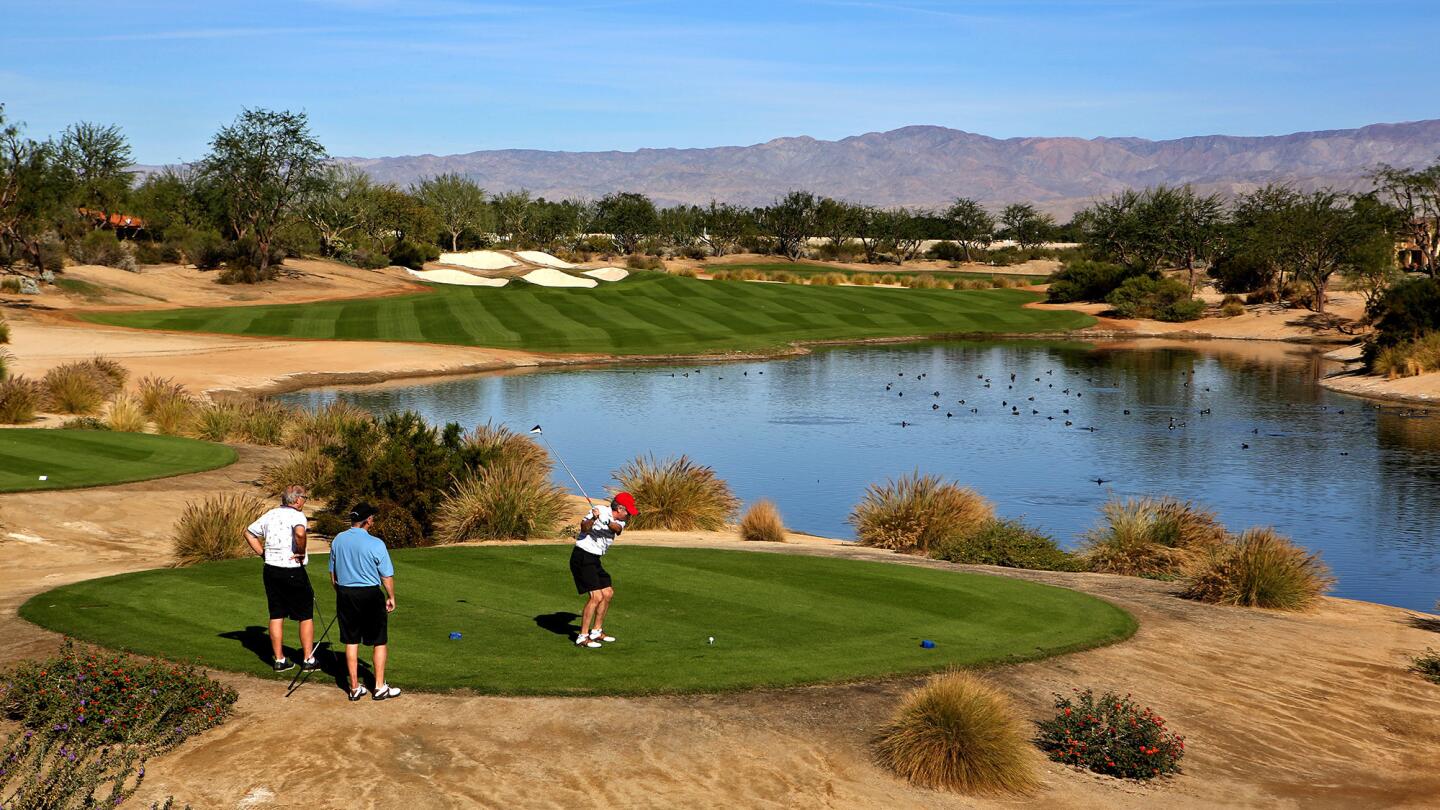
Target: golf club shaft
x=567, y=469
x=314, y=646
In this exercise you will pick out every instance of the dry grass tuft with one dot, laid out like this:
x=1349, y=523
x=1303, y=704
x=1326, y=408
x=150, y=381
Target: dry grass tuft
x=216, y=421
x=490, y=443
x=77, y=388
x=214, y=529
x=959, y=733
x=762, y=523
x=324, y=427
x=111, y=372
x=125, y=415
x=509, y=499
x=917, y=512
x=175, y=416
x=309, y=468
x=264, y=421
x=1409, y=359
x=677, y=494
x=1151, y=537
x=154, y=392
x=1260, y=568
x=19, y=399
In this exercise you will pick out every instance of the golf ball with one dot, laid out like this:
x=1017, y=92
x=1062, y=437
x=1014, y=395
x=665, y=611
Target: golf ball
x=711, y=641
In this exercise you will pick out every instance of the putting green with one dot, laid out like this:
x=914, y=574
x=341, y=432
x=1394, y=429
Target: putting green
x=777, y=619
x=70, y=459
x=648, y=313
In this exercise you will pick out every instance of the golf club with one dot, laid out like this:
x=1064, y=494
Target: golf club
x=538, y=432
x=299, y=679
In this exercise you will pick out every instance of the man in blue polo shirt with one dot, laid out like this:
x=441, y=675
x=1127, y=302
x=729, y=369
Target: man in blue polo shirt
x=359, y=566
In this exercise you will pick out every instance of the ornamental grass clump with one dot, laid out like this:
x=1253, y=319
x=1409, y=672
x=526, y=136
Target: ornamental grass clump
x=324, y=426
x=175, y=417
x=1151, y=537
x=310, y=468
x=491, y=443
x=1409, y=358
x=1260, y=568
x=19, y=399
x=958, y=733
x=762, y=523
x=77, y=388
x=126, y=415
x=677, y=494
x=156, y=391
x=917, y=512
x=1111, y=735
x=264, y=422
x=213, y=529
x=509, y=499
x=216, y=421
x=1009, y=543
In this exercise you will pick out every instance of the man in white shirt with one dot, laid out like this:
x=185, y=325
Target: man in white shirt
x=279, y=537
x=598, y=530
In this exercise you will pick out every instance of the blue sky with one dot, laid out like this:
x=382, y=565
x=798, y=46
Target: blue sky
x=386, y=77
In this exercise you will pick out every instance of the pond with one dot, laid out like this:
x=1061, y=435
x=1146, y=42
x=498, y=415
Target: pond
x=1243, y=429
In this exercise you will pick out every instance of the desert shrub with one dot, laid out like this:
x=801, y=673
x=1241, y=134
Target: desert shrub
x=747, y=274
x=84, y=423
x=414, y=255
x=917, y=512
x=111, y=373
x=1163, y=299
x=677, y=494
x=214, y=528
x=787, y=277
x=1260, y=568
x=1111, y=735
x=1409, y=358
x=490, y=443
x=10, y=284
x=862, y=279
x=687, y=272
x=323, y=426
x=926, y=282
x=263, y=421
x=1005, y=542
x=888, y=278
x=206, y=249
x=1232, y=306
x=1150, y=537
x=946, y=251
x=636, y=262
x=176, y=416
x=154, y=391
x=4, y=330
x=310, y=468
x=1005, y=282
x=402, y=466
x=830, y=279
x=157, y=253
x=98, y=247
x=216, y=421
x=1301, y=296
x=5, y=359
x=958, y=733
x=1427, y=665
x=19, y=399
x=1406, y=312
x=367, y=259
x=762, y=523
x=75, y=388
x=509, y=499
x=1086, y=280
x=125, y=415
x=1239, y=273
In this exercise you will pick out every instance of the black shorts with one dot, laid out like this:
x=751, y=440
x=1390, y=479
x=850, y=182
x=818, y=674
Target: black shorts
x=288, y=592
x=588, y=571
x=363, y=618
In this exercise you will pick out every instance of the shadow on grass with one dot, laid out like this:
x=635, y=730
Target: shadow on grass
x=561, y=623
x=331, y=660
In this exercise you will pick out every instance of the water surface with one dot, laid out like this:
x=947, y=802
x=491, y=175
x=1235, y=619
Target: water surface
x=1243, y=429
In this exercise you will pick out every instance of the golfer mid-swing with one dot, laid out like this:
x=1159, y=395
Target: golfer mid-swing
x=598, y=529
x=279, y=537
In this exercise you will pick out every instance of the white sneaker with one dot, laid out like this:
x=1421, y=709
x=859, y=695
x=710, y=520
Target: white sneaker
x=599, y=635
x=586, y=641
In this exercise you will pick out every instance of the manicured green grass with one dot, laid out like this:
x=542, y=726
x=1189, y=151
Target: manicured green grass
x=810, y=269
x=650, y=313
x=777, y=619
x=70, y=459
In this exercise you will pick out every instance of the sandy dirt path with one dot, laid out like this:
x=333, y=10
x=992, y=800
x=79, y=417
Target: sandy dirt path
x=1312, y=710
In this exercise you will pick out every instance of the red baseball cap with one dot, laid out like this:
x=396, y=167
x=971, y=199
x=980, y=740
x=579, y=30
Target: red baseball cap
x=627, y=500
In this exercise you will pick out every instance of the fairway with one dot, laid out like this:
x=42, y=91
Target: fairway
x=649, y=313
x=777, y=620
x=70, y=459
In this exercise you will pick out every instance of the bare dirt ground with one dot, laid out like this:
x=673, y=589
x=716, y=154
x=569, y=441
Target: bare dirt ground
x=1279, y=710
x=1263, y=322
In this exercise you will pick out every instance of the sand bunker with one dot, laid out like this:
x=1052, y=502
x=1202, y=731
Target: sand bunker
x=547, y=277
x=608, y=273
x=459, y=277
x=479, y=260
x=540, y=257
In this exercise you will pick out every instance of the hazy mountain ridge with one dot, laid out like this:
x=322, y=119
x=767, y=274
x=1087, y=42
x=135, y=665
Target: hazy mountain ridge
x=929, y=165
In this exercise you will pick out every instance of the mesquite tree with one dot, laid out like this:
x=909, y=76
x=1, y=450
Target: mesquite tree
x=99, y=158
x=265, y=164
x=970, y=225
x=458, y=201
x=1417, y=195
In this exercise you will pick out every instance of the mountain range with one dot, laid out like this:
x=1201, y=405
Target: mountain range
x=928, y=166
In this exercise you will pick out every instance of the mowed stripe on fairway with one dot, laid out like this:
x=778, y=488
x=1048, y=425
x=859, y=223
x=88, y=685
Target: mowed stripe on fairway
x=649, y=313
x=85, y=458
x=777, y=619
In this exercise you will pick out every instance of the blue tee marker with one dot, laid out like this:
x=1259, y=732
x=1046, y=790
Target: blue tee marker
x=454, y=636
x=928, y=644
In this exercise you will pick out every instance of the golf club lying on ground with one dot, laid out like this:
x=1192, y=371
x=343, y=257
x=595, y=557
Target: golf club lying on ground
x=538, y=432
x=299, y=679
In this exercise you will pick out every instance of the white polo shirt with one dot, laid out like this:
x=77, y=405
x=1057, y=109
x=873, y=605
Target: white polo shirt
x=602, y=532
x=277, y=529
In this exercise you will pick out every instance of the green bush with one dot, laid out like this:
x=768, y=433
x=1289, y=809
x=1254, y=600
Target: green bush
x=403, y=467
x=1427, y=665
x=414, y=255
x=1086, y=280
x=158, y=253
x=98, y=247
x=917, y=512
x=84, y=423
x=1408, y=358
x=1162, y=299
x=206, y=249
x=1111, y=735
x=1006, y=542
x=946, y=251
x=1405, y=313
x=367, y=259
x=1239, y=273
x=1260, y=568
x=958, y=733
x=637, y=262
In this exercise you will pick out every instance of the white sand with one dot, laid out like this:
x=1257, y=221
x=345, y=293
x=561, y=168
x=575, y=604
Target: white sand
x=459, y=277
x=544, y=259
x=479, y=260
x=608, y=273
x=547, y=277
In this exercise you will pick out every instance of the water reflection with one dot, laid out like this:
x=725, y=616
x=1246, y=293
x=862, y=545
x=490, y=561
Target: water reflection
x=1243, y=429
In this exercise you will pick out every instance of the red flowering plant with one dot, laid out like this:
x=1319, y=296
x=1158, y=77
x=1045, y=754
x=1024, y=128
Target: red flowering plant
x=1111, y=735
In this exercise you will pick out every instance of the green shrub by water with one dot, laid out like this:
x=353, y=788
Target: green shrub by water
x=1427, y=665
x=1161, y=299
x=1085, y=280
x=1009, y=543
x=1408, y=358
